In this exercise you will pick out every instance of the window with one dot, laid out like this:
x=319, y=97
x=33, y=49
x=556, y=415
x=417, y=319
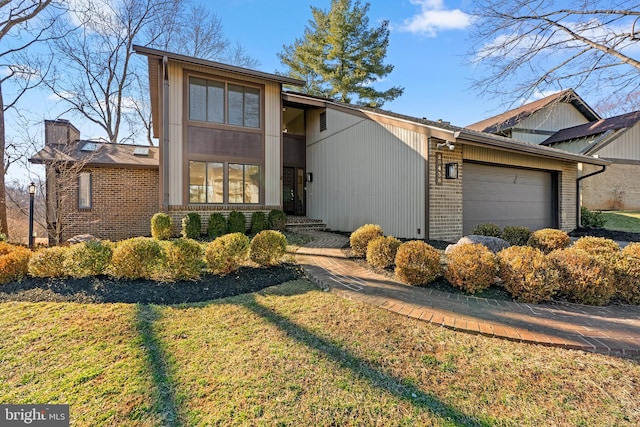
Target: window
x=323, y=121
x=207, y=103
x=84, y=190
x=207, y=183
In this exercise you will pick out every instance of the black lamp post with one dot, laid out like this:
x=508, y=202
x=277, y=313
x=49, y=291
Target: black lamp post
x=32, y=192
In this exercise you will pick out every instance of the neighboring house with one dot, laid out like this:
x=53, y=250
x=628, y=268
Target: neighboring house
x=232, y=139
x=536, y=121
x=616, y=139
x=107, y=190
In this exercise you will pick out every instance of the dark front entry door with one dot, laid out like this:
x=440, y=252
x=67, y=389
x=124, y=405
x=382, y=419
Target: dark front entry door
x=293, y=191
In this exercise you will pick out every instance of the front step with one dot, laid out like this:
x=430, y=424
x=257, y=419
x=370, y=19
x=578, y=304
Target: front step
x=301, y=223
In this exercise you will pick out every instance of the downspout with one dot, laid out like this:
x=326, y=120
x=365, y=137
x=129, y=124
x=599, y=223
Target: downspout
x=579, y=216
x=165, y=135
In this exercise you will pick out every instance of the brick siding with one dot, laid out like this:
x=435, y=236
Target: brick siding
x=568, y=196
x=445, y=200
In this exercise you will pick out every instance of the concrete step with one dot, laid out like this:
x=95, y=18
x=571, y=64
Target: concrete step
x=303, y=223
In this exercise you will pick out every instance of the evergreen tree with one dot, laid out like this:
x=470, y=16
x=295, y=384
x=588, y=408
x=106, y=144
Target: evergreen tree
x=341, y=57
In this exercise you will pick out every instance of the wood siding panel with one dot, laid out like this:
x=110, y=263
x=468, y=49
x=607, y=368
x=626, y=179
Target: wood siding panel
x=486, y=155
x=273, y=145
x=626, y=147
x=175, y=133
x=224, y=143
x=554, y=118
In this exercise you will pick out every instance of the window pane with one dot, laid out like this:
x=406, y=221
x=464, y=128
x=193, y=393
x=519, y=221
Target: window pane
x=252, y=107
x=215, y=183
x=197, y=99
x=236, y=173
x=197, y=182
x=251, y=184
x=236, y=108
x=215, y=102
x=84, y=191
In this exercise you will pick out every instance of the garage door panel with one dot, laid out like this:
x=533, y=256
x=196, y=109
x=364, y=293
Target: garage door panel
x=506, y=196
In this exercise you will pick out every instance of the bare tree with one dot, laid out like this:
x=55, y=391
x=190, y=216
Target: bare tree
x=532, y=47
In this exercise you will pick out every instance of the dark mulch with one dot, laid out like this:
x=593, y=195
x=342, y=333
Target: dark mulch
x=624, y=236
x=103, y=289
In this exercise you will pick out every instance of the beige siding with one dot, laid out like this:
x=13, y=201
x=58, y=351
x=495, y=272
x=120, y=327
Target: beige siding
x=175, y=133
x=366, y=172
x=273, y=145
x=559, y=116
x=627, y=146
x=575, y=146
x=487, y=155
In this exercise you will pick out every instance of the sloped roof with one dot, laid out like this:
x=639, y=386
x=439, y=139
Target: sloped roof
x=105, y=154
x=623, y=121
x=510, y=118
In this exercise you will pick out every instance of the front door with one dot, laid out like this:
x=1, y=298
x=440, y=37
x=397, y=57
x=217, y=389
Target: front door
x=293, y=190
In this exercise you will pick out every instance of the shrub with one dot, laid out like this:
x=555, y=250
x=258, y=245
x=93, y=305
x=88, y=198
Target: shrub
x=136, y=258
x=14, y=262
x=549, y=239
x=487, y=229
x=183, y=260
x=161, y=226
x=237, y=222
x=591, y=219
x=48, y=262
x=191, y=225
x=381, y=251
x=268, y=247
x=362, y=236
x=632, y=250
x=88, y=258
x=627, y=279
x=527, y=274
x=226, y=253
x=277, y=220
x=584, y=278
x=515, y=235
x=471, y=267
x=597, y=245
x=259, y=222
x=417, y=263
x=217, y=225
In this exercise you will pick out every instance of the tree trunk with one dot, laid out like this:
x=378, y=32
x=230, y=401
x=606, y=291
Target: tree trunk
x=3, y=194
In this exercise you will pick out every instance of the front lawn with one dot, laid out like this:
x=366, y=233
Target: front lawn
x=294, y=355
x=622, y=220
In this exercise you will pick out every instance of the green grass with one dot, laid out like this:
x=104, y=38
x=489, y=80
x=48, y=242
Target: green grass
x=622, y=220
x=294, y=355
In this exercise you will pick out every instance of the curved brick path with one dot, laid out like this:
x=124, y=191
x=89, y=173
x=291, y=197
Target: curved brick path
x=613, y=330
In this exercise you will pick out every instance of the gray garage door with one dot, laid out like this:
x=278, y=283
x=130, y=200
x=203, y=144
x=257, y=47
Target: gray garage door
x=507, y=196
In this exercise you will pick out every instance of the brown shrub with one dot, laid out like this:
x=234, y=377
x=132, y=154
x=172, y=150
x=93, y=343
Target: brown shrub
x=381, y=251
x=528, y=274
x=549, y=239
x=226, y=253
x=596, y=245
x=49, y=262
x=360, y=238
x=471, y=267
x=632, y=250
x=627, y=279
x=417, y=263
x=14, y=262
x=268, y=247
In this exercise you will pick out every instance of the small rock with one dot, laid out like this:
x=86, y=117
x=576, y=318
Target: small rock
x=494, y=244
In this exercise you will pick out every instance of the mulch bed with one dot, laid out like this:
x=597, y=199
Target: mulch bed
x=623, y=236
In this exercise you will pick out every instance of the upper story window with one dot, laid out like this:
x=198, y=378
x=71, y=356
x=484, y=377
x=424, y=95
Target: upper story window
x=224, y=103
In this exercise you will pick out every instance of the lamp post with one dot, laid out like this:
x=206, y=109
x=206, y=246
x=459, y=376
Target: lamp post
x=32, y=192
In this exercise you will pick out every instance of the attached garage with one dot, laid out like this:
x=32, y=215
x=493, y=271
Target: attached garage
x=508, y=196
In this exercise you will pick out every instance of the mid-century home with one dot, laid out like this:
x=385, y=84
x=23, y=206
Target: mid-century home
x=233, y=139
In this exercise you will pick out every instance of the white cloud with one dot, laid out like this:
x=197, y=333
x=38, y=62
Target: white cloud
x=434, y=17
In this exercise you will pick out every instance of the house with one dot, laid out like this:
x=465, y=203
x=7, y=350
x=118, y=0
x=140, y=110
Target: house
x=616, y=139
x=233, y=139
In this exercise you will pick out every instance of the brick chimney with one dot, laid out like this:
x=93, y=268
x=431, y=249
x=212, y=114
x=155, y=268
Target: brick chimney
x=60, y=131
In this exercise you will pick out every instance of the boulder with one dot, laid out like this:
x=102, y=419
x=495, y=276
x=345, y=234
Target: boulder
x=494, y=244
x=82, y=238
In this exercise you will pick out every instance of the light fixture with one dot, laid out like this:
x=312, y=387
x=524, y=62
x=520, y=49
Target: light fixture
x=309, y=177
x=450, y=145
x=451, y=171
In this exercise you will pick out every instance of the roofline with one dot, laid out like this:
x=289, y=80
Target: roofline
x=150, y=52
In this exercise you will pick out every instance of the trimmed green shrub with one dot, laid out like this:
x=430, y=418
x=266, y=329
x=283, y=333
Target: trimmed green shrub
x=471, y=267
x=417, y=263
x=237, y=222
x=360, y=238
x=584, y=278
x=277, y=220
x=381, y=251
x=627, y=279
x=136, y=258
x=3, y=237
x=191, y=226
x=48, y=262
x=487, y=229
x=516, y=235
x=259, y=222
x=14, y=262
x=268, y=247
x=161, y=226
x=596, y=245
x=183, y=260
x=591, y=219
x=226, y=253
x=528, y=274
x=632, y=250
x=549, y=239
x=217, y=225
x=88, y=259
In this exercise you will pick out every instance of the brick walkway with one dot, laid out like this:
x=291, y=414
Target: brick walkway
x=613, y=330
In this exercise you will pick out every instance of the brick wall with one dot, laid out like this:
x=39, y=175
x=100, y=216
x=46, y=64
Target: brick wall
x=567, y=196
x=445, y=200
x=615, y=189
x=122, y=204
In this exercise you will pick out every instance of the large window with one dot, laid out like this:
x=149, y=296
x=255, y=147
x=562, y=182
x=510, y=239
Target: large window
x=208, y=183
x=84, y=190
x=207, y=103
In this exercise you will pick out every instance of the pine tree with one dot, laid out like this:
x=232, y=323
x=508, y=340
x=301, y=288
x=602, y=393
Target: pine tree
x=341, y=57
